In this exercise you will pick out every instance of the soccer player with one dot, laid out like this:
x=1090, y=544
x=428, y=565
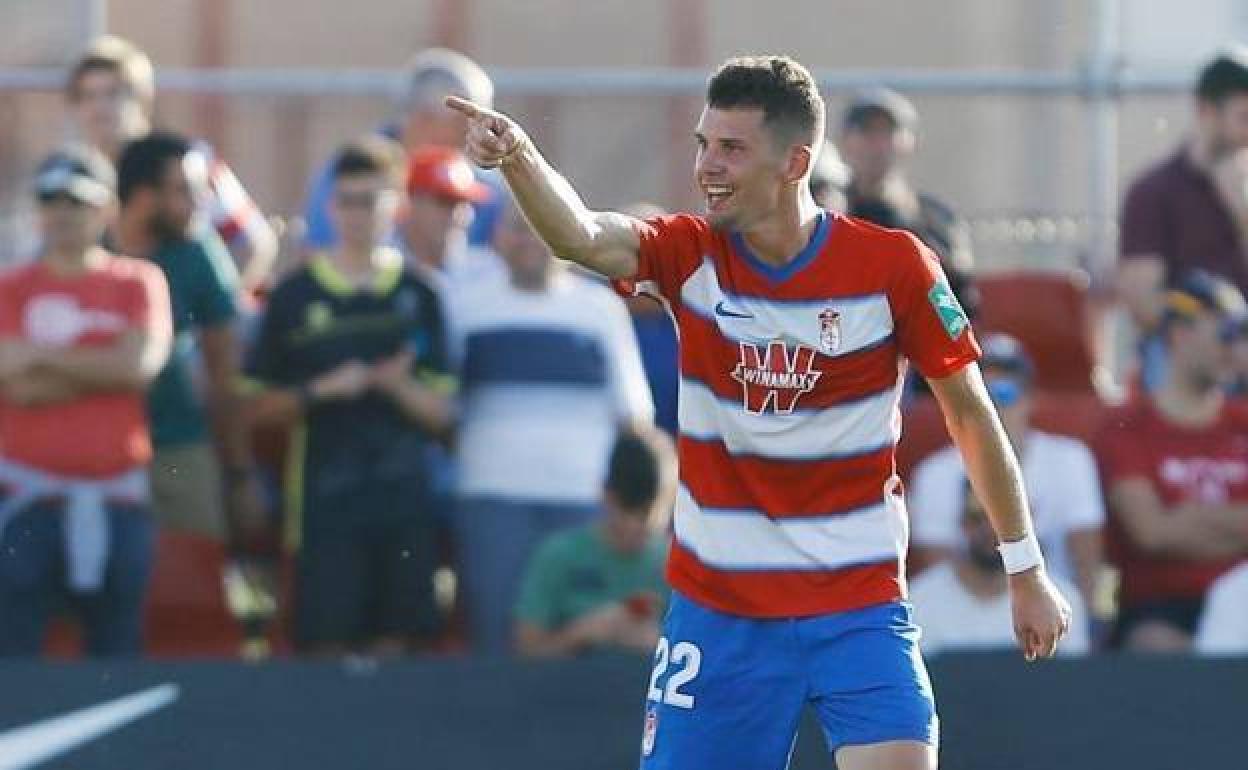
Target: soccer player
x=790, y=527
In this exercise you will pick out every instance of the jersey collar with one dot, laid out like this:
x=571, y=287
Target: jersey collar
x=385, y=279
x=783, y=272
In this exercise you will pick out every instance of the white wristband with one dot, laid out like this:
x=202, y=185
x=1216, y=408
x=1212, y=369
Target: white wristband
x=1021, y=555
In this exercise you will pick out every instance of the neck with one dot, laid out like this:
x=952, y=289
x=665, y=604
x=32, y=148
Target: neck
x=356, y=262
x=71, y=261
x=1200, y=152
x=1184, y=401
x=427, y=252
x=868, y=187
x=980, y=583
x=134, y=236
x=780, y=238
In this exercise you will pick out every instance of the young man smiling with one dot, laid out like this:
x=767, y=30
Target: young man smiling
x=794, y=326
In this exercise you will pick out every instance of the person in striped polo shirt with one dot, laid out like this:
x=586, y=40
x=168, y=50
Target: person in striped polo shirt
x=796, y=329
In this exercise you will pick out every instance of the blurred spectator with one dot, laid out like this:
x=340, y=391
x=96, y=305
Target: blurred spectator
x=111, y=91
x=1237, y=332
x=1223, y=626
x=1191, y=209
x=1175, y=465
x=550, y=370
x=352, y=349
x=600, y=585
x=421, y=118
x=656, y=340
x=829, y=181
x=1061, y=476
x=964, y=604
x=441, y=191
x=82, y=333
x=202, y=474
x=877, y=138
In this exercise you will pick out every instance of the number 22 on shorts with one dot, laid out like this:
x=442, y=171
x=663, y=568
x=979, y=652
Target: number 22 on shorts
x=688, y=656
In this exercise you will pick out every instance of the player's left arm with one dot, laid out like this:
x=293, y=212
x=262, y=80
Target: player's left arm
x=1041, y=614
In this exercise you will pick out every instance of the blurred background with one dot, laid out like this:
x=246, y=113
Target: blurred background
x=1033, y=115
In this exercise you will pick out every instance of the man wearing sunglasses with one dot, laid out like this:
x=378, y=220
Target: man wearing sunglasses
x=83, y=332
x=351, y=351
x=1060, y=472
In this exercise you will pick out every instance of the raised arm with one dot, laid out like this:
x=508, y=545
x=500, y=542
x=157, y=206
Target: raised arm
x=603, y=241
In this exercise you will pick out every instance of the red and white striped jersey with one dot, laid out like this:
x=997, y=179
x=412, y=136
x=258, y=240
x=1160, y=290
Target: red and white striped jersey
x=789, y=503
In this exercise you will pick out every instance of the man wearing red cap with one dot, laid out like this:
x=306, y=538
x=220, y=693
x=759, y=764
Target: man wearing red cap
x=433, y=231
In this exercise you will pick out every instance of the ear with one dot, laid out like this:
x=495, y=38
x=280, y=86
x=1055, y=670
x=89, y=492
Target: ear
x=801, y=158
x=907, y=141
x=141, y=198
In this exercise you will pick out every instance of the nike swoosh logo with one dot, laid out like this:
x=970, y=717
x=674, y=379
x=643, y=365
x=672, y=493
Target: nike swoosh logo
x=720, y=309
x=25, y=747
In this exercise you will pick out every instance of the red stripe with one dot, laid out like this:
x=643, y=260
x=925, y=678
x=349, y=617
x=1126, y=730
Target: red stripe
x=783, y=594
x=707, y=356
x=782, y=489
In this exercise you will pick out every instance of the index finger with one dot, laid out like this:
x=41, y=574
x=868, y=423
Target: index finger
x=467, y=107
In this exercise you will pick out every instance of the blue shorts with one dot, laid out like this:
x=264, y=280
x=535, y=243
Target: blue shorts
x=728, y=691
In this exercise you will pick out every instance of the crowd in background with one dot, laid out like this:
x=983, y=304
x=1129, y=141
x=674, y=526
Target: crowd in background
x=416, y=425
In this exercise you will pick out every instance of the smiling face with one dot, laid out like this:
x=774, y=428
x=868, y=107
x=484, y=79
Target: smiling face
x=740, y=171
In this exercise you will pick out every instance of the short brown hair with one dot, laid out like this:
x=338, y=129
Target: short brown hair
x=109, y=53
x=371, y=155
x=786, y=92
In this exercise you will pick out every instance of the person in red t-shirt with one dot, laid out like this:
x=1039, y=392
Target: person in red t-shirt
x=790, y=528
x=1175, y=467
x=82, y=334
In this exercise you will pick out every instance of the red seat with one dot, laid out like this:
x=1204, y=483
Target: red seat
x=186, y=614
x=1049, y=313
x=186, y=610
x=1069, y=414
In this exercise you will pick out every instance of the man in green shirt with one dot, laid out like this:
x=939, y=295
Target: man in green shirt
x=600, y=585
x=158, y=182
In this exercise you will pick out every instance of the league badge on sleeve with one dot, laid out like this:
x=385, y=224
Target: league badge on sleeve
x=830, y=330
x=647, y=737
x=951, y=315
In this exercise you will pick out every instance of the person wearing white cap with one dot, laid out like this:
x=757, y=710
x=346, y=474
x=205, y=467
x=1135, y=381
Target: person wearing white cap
x=83, y=332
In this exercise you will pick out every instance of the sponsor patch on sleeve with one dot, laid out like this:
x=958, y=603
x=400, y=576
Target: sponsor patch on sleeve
x=951, y=315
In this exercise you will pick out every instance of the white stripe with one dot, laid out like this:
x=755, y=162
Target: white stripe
x=747, y=540
x=26, y=747
x=865, y=321
x=846, y=429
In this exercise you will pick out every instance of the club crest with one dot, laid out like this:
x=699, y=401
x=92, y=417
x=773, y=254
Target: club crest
x=830, y=330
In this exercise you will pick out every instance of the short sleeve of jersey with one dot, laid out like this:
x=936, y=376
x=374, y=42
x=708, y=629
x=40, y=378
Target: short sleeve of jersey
x=215, y=282
x=148, y=306
x=269, y=361
x=430, y=339
x=1084, y=508
x=10, y=309
x=539, y=590
x=1118, y=455
x=670, y=249
x=1142, y=224
x=931, y=327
